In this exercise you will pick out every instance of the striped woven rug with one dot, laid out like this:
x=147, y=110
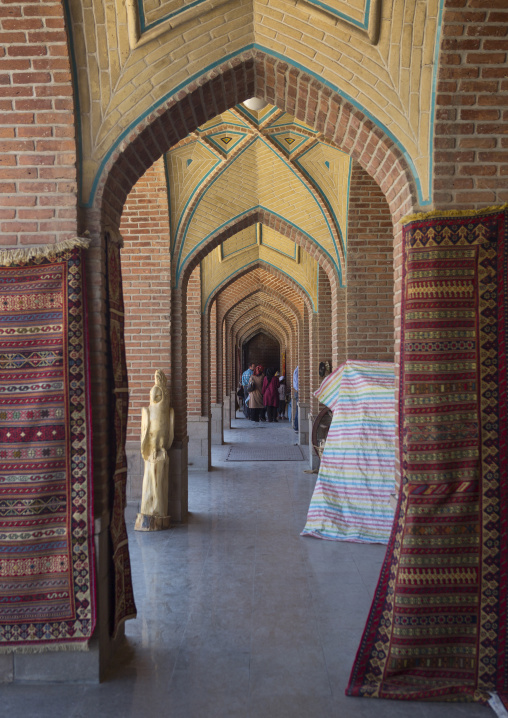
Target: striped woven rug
x=351, y=500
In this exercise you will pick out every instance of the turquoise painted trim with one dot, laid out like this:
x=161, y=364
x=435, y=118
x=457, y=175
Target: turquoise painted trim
x=323, y=195
x=362, y=25
x=279, y=251
x=247, y=145
x=242, y=214
x=237, y=251
x=168, y=194
x=289, y=149
x=347, y=206
x=343, y=16
x=227, y=149
x=278, y=56
x=142, y=20
x=195, y=190
x=255, y=261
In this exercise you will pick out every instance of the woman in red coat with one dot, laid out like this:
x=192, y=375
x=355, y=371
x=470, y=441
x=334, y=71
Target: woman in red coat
x=271, y=394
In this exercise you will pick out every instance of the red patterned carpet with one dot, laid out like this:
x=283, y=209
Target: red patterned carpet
x=47, y=591
x=124, y=605
x=437, y=626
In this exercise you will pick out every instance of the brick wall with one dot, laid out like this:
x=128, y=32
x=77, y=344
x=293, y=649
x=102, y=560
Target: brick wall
x=146, y=278
x=471, y=139
x=264, y=350
x=369, y=271
x=193, y=357
x=215, y=380
x=37, y=138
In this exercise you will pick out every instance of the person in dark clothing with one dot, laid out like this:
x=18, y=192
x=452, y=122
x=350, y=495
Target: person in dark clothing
x=271, y=394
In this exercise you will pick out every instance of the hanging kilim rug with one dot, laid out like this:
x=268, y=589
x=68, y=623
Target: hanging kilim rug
x=124, y=605
x=437, y=626
x=47, y=587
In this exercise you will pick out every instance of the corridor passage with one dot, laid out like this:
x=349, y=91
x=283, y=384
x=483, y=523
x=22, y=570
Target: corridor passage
x=238, y=616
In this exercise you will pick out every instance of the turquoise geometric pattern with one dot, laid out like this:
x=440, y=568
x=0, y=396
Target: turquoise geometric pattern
x=283, y=119
x=225, y=141
x=289, y=141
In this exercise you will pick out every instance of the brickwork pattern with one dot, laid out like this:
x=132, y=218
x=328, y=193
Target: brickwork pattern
x=370, y=325
x=123, y=79
x=471, y=137
x=251, y=74
x=194, y=347
x=146, y=265
x=276, y=250
x=38, y=181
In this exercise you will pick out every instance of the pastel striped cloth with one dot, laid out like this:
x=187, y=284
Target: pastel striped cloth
x=351, y=500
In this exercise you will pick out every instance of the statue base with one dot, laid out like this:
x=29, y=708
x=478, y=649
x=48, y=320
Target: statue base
x=145, y=522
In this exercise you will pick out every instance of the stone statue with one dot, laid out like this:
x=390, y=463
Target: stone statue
x=157, y=432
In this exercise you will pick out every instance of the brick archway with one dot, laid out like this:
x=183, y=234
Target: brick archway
x=226, y=314
x=255, y=73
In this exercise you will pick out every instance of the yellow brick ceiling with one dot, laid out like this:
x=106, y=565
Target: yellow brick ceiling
x=253, y=247
x=130, y=57
x=244, y=160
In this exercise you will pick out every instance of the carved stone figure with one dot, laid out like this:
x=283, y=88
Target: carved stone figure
x=157, y=432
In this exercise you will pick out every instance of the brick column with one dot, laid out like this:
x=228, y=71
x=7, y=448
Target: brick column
x=198, y=379
x=370, y=324
x=178, y=455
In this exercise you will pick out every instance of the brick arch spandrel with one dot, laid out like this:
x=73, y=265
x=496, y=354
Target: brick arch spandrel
x=255, y=73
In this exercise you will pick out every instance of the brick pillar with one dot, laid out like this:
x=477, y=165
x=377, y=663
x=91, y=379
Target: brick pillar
x=369, y=271
x=146, y=275
x=325, y=323
x=304, y=379
x=178, y=473
x=316, y=356
x=198, y=423
x=216, y=383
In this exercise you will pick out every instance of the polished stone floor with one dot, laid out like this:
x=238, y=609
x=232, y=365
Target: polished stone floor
x=239, y=616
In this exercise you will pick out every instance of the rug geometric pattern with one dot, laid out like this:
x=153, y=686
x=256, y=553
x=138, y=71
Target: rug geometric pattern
x=437, y=627
x=47, y=591
x=124, y=605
